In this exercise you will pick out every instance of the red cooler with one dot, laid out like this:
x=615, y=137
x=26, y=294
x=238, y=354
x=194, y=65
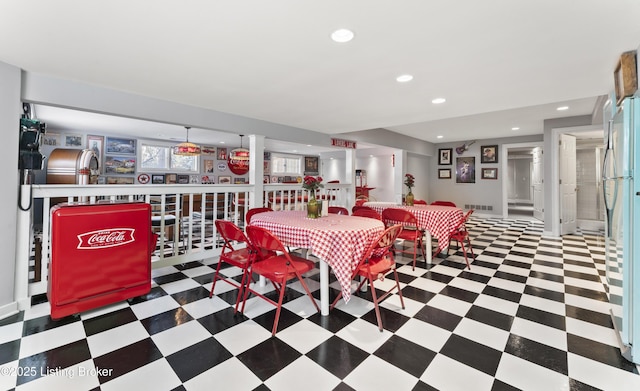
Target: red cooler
x=100, y=254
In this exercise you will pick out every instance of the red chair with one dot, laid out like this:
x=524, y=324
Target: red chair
x=360, y=200
x=367, y=212
x=278, y=269
x=359, y=207
x=376, y=262
x=460, y=234
x=419, y=202
x=392, y=216
x=254, y=211
x=241, y=258
x=338, y=210
x=443, y=203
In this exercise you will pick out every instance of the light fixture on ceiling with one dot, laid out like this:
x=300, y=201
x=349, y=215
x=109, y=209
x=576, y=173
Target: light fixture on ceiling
x=238, y=160
x=186, y=148
x=438, y=101
x=404, y=78
x=439, y=136
x=515, y=128
x=342, y=35
x=563, y=108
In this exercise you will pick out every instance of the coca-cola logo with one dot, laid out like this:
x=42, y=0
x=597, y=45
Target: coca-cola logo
x=104, y=238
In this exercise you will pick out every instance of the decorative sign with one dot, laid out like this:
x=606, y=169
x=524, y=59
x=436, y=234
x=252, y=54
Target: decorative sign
x=239, y=161
x=111, y=237
x=337, y=142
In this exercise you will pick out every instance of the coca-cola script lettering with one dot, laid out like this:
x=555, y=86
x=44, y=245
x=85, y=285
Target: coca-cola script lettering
x=106, y=238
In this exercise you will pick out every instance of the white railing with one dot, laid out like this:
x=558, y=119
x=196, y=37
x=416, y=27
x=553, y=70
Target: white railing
x=183, y=215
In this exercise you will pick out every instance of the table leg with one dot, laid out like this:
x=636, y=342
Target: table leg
x=324, y=288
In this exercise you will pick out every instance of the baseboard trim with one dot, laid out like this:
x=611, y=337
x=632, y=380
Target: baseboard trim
x=8, y=310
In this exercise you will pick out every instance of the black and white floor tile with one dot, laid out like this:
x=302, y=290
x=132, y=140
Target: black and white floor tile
x=531, y=314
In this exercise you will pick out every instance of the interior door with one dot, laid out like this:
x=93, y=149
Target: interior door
x=568, y=186
x=537, y=184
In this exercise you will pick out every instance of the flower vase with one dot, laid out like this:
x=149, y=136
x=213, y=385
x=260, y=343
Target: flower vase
x=408, y=199
x=313, y=207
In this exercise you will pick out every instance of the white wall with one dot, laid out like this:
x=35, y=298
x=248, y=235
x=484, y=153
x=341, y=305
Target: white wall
x=10, y=111
x=379, y=170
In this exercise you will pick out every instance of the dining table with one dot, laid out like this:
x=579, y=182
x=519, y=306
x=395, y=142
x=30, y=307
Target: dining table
x=338, y=241
x=438, y=220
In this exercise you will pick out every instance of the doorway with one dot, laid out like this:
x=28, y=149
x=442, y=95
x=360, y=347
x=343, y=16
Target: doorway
x=522, y=193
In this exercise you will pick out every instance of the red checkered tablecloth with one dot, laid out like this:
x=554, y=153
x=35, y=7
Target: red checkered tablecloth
x=338, y=240
x=438, y=220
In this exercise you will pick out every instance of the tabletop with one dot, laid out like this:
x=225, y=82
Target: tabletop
x=339, y=240
x=439, y=220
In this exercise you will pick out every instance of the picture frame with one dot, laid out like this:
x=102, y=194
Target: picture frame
x=183, y=179
x=224, y=180
x=208, y=165
x=489, y=154
x=311, y=165
x=444, y=173
x=489, y=173
x=96, y=144
x=120, y=165
x=124, y=180
x=444, y=156
x=157, y=179
x=207, y=180
x=73, y=140
x=120, y=146
x=240, y=181
x=466, y=169
x=266, y=179
x=208, y=150
x=171, y=179
x=50, y=139
x=222, y=154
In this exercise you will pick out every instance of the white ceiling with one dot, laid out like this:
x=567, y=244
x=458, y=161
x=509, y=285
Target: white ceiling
x=499, y=63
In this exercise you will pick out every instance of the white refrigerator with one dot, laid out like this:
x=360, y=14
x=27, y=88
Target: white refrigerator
x=622, y=202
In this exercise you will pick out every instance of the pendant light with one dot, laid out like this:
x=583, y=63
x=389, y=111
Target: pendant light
x=238, y=161
x=186, y=148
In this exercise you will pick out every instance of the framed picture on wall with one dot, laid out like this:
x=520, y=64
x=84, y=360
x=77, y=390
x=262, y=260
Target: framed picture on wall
x=444, y=173
x=73, y=140
x=157, y=179
x=120, y=165
x=224, y=180
x=171, y=178
x=311, y=165
x=489, y=173
x=489, y=154
x=51, y=139
x=96, y=144
x=120, y=146
x=444, y=156
x=222, y=154
x=466, y=169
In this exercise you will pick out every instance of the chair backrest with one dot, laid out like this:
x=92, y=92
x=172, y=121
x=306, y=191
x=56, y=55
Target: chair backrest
x=461, y=225
x=263, y=239
x=444, y=203
x=367, y=212
x=230, y=233
x=392, y=216
x=254, y=211
x=338, y=210
x=419, y=202
x=381, y=247
x=361, y=200
x=358, y=207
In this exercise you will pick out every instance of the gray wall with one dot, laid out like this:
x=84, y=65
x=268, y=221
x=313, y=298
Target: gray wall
x=10, y=110
x=484, y=192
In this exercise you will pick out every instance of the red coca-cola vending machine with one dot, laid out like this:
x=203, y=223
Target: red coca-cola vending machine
x=100, y=254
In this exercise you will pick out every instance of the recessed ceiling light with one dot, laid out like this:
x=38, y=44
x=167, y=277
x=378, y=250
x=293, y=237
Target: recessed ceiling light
x=437, y=101
x=562, y=108
x=515, y=128
x=308, y=145
x=404, y=78
x=342, y=35
x=221, y=142
x=440, y=136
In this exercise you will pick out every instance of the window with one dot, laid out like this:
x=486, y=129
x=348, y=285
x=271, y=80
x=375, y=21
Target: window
x=161, y=158
x=286, y=164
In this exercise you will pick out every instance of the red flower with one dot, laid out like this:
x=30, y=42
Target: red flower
x=409, y=180
x=312, y=183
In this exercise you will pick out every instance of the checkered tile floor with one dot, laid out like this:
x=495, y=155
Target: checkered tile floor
x=531, y=314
